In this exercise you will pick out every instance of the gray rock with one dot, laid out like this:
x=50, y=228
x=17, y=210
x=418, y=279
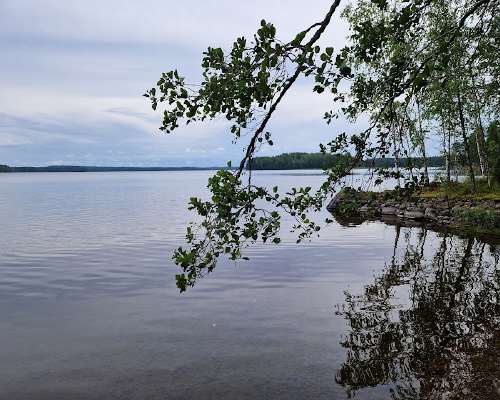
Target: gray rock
x=430, y=213
x=445, y=212
x=364, y=209
x=414, y=213
x=336, y=201
x=389, y=210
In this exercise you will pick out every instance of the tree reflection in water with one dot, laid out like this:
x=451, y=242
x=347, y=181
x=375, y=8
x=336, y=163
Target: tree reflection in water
x=444, y=343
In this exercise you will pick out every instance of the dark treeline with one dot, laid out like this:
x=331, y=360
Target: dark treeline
x=321, y=161
x=297, y=161
x=80, y=168
x=283, y=161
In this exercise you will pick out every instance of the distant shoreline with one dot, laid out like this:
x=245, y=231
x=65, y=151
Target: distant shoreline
x=82, y=168
x=285, y=161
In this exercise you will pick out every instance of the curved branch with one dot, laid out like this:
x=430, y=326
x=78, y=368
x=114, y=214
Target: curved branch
x=291, y=80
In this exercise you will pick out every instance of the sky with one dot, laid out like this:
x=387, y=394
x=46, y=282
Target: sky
x=73, y=73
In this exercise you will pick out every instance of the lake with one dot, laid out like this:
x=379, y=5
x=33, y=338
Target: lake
x=89, y=307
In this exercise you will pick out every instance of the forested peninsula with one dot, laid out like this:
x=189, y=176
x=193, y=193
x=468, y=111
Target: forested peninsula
x=284, y=161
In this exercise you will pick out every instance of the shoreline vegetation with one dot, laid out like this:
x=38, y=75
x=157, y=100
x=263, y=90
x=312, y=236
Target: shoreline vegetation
x=285, y=161
x=439, y=206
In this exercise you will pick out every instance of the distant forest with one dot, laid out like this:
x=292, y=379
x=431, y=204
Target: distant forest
x=283, y=161
x=321, y=161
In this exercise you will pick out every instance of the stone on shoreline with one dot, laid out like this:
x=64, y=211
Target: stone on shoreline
x=436, y=211
x=430, y=213
x=338, y=199
x=389, y=210
x=364, y=209
x=414, y=213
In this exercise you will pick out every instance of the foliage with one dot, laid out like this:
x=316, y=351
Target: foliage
x=461, y=190
x=399, y=52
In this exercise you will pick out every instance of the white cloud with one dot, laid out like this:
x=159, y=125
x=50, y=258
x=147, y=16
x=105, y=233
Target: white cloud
x=77, y=69
x=190, y=22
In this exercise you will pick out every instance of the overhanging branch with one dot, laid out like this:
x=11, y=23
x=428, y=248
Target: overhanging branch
x=251, y=146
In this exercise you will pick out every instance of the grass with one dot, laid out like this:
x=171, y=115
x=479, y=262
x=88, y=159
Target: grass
x=462, y=190
x=476, y=220
x=478, y=216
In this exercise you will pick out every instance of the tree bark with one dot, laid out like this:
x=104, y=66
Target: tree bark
x=466, y=142
x=446, y=150
x=422, y=144
x=480, y=136
x=251, y=146
x=396, y=160
x=481, y=150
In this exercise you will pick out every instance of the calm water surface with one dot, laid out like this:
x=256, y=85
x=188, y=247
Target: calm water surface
x=89, y=308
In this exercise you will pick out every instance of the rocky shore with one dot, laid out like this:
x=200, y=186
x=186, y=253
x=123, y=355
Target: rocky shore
x=443, y=212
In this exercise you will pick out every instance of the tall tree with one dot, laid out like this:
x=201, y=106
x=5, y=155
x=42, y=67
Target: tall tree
x=247, y=84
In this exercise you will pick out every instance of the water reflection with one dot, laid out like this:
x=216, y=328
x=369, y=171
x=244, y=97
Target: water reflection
x=428, y=326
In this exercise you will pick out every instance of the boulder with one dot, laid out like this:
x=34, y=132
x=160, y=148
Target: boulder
x=430, y=213
x=389, y=210
x=414, y=213
x=364, y=209
x=336, y=201
x=445, y=212
x=440, y=205
x=444, y=220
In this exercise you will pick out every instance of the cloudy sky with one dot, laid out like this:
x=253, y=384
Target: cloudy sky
x=73, y=73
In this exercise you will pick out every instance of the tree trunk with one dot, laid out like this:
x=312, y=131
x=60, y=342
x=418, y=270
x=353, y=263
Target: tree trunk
x=447, y=148
x=396, y=159
x=422, y=144
x=466, y=142
x=483, y=156
x=480, y=137
x=480, y=151
x=397, y=147
x=449, y=154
